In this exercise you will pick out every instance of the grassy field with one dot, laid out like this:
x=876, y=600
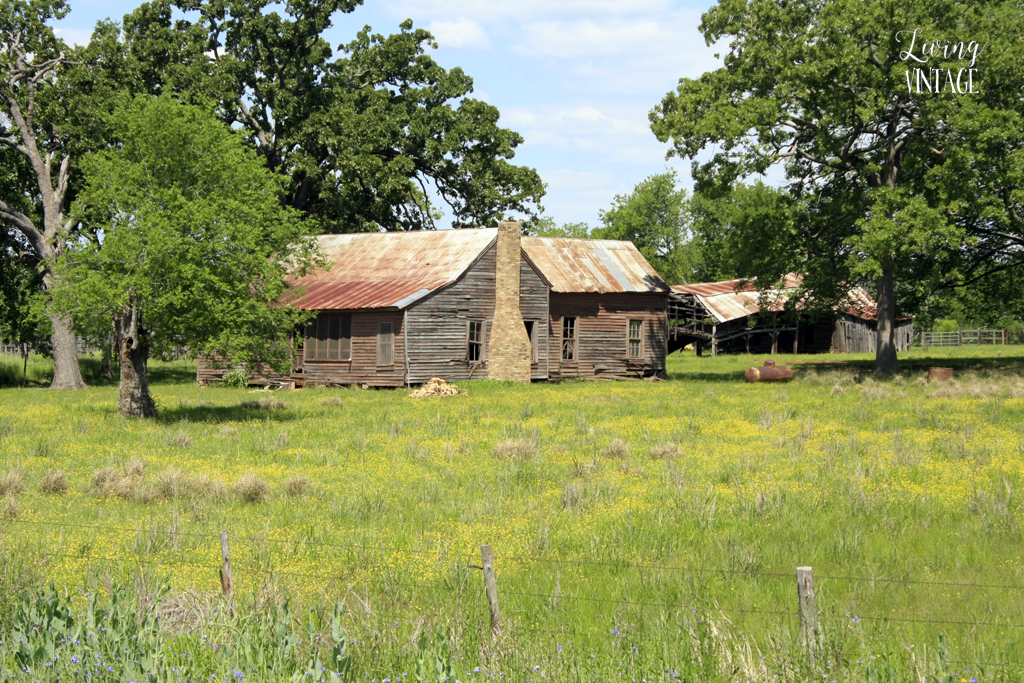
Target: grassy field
x=648, y=530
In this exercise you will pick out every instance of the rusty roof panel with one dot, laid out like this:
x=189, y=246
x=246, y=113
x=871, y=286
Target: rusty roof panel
x=595, y=266
x=320, y=296
x=734, y=299
x=389, y=270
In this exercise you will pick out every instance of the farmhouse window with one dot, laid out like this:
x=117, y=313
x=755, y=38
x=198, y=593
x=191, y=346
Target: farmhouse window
x=531, y=332
x=385, y=344
x=568, y=338
x=475, y=341
x=635, y=338
x=329, y=337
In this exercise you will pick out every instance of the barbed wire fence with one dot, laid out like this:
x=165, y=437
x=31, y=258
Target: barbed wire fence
x=805, y=612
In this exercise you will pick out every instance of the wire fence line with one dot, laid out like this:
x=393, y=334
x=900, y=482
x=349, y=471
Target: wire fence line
x=221, y=559
x=523, y=558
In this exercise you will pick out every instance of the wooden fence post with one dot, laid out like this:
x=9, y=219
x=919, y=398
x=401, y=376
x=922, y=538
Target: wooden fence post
x=491, y=588
x=227, y=583
x=808, y=608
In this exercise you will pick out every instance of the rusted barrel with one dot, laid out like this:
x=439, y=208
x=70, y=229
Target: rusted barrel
x=769, y=373
x=939, y=374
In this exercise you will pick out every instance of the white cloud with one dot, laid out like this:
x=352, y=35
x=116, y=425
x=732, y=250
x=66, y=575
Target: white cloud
x=74, y=36
x=486, y=10
x=599, y=134
x=459, y=33
x=594, y=37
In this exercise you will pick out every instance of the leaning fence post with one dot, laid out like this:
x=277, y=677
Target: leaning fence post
x=491, y=587
x=808, y=608
x=227, y=584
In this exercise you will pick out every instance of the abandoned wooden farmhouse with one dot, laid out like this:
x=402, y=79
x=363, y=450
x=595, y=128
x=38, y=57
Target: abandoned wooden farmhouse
x=399, y=308
x=732, y=316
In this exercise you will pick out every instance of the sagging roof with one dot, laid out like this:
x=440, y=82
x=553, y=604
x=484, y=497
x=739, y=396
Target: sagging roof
x=592, y=266
x=396, y=269
x=389, y=269
x=735, y=299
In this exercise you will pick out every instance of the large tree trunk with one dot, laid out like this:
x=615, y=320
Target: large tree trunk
x=133, y=398
x=66, y=374
x=886, y=362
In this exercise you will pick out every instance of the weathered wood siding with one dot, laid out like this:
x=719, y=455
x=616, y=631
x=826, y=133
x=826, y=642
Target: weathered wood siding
x=437, y=325
x=602, y=334
x=207, y=372
x=363, y=368
x=856, y=335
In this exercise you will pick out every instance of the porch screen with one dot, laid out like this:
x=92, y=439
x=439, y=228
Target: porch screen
x=329, y=337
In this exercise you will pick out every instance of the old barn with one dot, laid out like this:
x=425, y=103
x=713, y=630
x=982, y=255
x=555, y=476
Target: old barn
x=732, y=316
x=397, y=309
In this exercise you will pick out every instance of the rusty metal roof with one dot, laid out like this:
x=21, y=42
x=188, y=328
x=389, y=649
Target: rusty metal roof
x=734, y=299
x=596, y=266
x=389, y=269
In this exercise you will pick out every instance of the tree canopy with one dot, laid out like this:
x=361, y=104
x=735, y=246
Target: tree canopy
x=192, y=245
x=366, y=136
x=654, y=217
x=890, y=185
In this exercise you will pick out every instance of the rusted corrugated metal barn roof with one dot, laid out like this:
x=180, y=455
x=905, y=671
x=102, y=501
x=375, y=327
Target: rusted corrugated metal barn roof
x=595, y=266
x=734, y=299
x=389, y=269
x=395, y=269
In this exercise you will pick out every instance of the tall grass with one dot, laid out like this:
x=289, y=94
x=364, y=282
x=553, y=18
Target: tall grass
x=643, y=529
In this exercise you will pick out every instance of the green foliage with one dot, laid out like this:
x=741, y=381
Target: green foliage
x=747, y=232
x=189, y=233
x=545, y=226
x=887, y=185
x=942, y=325
x=22, y=311
x=434, y=660
x=654, y=217
x=363, y=137
x=236, y=379
x=117, y=638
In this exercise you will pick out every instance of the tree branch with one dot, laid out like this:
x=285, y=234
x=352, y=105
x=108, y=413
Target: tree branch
x=12, y=216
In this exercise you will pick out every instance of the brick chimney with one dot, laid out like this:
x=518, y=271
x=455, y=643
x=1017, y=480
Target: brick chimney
x=508, y=351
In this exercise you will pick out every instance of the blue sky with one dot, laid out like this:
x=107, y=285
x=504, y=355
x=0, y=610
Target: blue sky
x=576, y=78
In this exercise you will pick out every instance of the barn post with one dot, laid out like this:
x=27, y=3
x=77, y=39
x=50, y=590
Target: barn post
x=775, y=343
x=714, y=340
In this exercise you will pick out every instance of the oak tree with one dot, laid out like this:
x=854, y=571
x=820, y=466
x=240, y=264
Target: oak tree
x=191, y=246
x=367, y=135
x=892, y=184
x=39, y=154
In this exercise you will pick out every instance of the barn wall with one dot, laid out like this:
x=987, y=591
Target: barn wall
x=856, y=335
x=438, y=324
x=603, y=321
x=816, y=336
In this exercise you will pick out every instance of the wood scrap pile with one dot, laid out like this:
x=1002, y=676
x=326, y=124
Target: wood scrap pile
x=437, y=387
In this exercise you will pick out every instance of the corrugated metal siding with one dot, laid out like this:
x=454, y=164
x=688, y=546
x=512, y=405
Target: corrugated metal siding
x=592, y=266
